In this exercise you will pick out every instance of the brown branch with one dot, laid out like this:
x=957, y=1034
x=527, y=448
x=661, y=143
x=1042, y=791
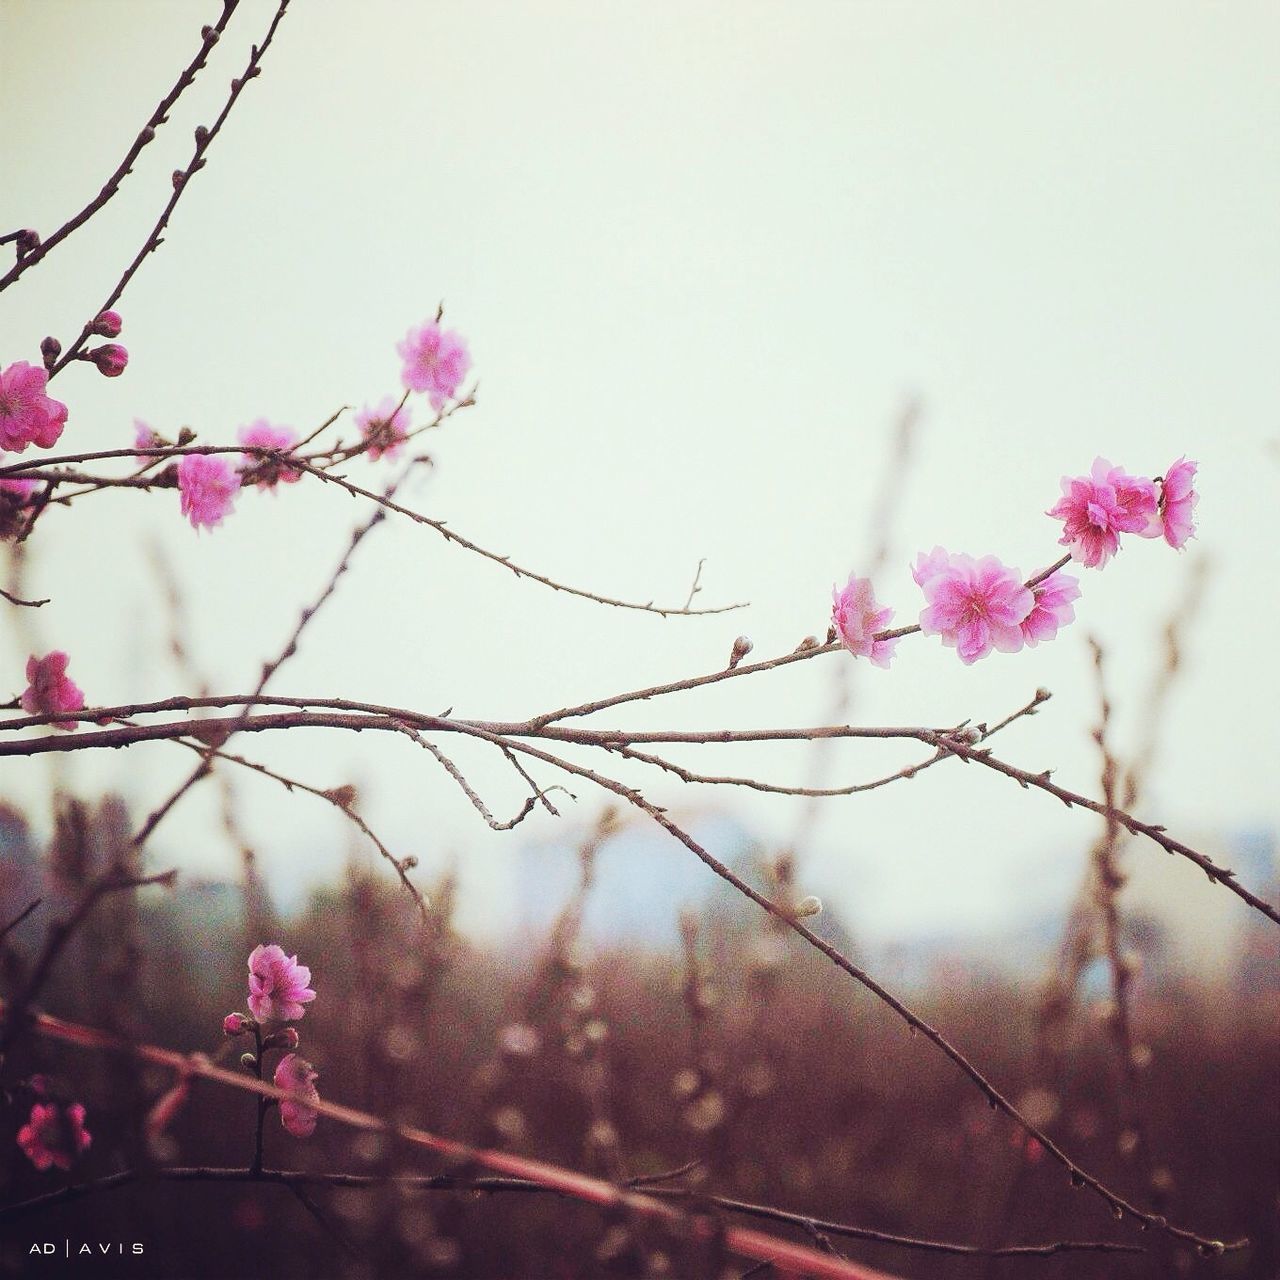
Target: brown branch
x=208, y=38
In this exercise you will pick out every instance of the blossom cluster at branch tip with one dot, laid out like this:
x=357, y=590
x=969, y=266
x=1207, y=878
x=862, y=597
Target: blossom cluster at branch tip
x=277, y=985
x=857, y=618
x=297, y=1076
x=208, y=486
x=54, y=1135
x=266, y=471
x=974, y=605
x=1096, y=509
x=50, y=691
x=384, y=428
x=27, y=415
x=435, y=361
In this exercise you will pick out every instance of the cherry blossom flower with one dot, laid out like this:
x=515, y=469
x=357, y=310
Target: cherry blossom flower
x=54, y=1135
x=263, y=435
x=208, y=485
x=277, y=985
x=435, y=361
x=49, y=691
x=15, y=493
x=27, y=415
x=1178, y=498
x=384, y=429
x=1053, y=608
x=111, y=359
x=974, y=605
x=145, y=438
x=1097, y=508
x=297, y=1075
x=857, y=617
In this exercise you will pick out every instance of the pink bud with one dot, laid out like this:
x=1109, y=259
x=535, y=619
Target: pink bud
x=107, y=324
x=235, y=1024
x=286, y=1039
x=111, y=359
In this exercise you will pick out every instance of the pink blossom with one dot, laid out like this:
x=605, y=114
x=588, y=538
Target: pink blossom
x=435, y=361
x=144, y=438
x=54, y=1135
x=974, y=605
x=857, y=617
x=1053, y=608
x=27, y=415
x=1097, y=508
x=297, y=1075
x=111, y=359
x=384, y=429
x=1178, y=499
x=209, y=486
x=19, y=488
x=277, y=984
x=267, y=471
x=49, y=691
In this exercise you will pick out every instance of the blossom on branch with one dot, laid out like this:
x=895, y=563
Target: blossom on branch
x=49, y=691
x=384, y=428
x=297, y=1075
x=27, y=415
x=1178, y=499
x=208, y=486
x=435, y=361
x=857, y=617
x=974, y=605
x=111, y=359
x=54, y=1135
x=267, y=471
x=1053, y=608
x=277, y=984
x=1096, y=509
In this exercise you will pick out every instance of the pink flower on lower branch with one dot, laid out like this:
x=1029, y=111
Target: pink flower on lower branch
x=435, y=361
x=277, y=985
x=974, y=605
x=49, y=690
x=1173, y=520
x=384, y=428
x=1053, y=608
x=27, y=415
x=297, y=1076
x=208, y=485
x=1096, y=509
x=266, y=471
x=54, y=1135
x=857, y=617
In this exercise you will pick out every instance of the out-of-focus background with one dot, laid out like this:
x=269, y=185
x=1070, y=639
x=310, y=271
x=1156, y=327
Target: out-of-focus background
x=709, y=260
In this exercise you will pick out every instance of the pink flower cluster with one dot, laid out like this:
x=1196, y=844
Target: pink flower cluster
x=435, y=361
x=1096, y=509
x=50, y=691
x=27, y=415
x=384, y=428
x=277, y=985
x=976, y=606
x=54, y=1135
x=267, y=471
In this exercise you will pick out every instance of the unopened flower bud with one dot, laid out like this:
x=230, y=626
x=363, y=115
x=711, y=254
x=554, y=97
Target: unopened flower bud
x=808, y=906
x=50, y=350
x=177, y=178
x=286, y=1039
x=111, y=359
x=235, y=1024
x=202, y=135
x=186, y=436
x=741, y=647
x=249, y=1061
x=107, y=324
x=28, y=241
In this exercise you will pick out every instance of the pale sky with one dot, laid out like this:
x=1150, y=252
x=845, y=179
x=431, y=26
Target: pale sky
x=703, y=255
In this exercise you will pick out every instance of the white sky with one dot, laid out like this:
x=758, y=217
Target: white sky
x=703, y=255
